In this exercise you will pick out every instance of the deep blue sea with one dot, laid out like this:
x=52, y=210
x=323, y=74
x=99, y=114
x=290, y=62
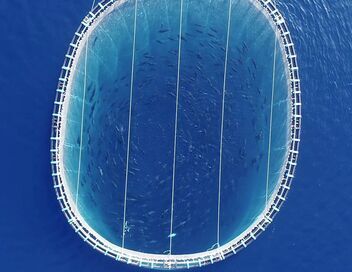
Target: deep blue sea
x=311, y=233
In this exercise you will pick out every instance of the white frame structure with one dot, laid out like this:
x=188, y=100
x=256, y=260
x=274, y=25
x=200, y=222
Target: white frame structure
x=159, y=261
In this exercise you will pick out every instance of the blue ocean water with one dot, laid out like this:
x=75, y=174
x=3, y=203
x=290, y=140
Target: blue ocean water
x=310, y=234
x=98, y=180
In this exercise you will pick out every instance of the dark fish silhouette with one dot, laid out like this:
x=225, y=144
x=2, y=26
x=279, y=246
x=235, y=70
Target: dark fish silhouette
x=163, y=30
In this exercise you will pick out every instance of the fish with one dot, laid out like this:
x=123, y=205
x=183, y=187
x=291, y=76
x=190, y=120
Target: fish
x=213, y=29
x=172, y=235
x=244, y=47
x=95, y=40
x=254, y=64
x=147, y=56
x=163, y=30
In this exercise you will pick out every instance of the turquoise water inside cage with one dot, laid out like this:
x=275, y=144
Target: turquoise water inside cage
x=95, y=160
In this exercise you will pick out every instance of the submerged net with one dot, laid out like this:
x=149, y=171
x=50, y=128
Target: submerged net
x=177, y=128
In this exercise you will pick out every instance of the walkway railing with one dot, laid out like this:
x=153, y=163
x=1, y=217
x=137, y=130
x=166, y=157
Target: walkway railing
x=172, y=261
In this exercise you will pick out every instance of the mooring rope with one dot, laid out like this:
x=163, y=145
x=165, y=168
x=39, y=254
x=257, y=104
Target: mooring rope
x=129, y=123
x=222, y=120
x=175, y=129
x=271, y=116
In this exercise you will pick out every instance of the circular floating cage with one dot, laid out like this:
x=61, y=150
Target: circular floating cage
x=175, y=131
